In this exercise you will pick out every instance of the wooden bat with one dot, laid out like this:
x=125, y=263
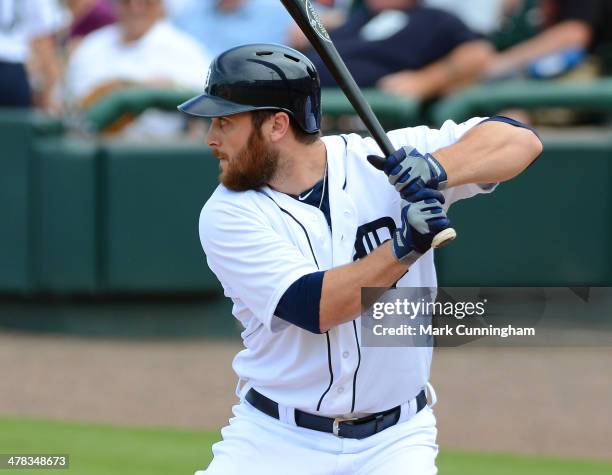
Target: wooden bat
x=309, y=22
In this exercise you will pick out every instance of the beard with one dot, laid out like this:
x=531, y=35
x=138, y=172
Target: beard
x=253, y=167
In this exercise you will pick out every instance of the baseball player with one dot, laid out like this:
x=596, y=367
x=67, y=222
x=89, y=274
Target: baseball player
x=298, y=226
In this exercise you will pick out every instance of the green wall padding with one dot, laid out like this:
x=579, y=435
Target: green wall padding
x=65, y=235
x=151, y=200
x=550, y=226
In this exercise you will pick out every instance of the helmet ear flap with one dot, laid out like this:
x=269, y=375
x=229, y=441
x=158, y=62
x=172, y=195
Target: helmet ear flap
x=261, y=76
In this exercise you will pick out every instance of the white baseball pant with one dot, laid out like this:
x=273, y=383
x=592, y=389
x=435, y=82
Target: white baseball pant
x=257, y=444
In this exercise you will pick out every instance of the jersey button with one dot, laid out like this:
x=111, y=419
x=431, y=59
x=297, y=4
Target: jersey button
x=340, y=390
x=345, y=354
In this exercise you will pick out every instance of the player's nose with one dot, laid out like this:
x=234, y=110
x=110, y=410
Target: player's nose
x=212, y=138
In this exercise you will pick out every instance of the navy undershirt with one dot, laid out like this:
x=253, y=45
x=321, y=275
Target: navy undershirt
x=508, y=120
x=312, y=196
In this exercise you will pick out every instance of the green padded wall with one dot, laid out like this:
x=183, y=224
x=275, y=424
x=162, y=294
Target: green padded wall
x=64, y=210
x=105, y=218
x=150, y=317
x=16, y=137
x=550, y=226
x=18, y=130
x=150, y=203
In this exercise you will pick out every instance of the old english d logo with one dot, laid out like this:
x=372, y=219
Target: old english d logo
x=371, y=235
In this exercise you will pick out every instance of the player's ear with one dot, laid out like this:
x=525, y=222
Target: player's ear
x=280, y=126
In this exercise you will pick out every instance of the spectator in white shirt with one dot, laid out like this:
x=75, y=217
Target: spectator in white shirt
x=27, y=29
x=142, y=49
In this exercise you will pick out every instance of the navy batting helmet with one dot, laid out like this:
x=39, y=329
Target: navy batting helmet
x=259, y=77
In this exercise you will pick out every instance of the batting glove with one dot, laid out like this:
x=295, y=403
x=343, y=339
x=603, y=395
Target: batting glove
x=422, y=218
x=409, y=171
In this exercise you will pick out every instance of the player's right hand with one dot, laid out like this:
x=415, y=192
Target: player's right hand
x=409, y=171
x=422, y=218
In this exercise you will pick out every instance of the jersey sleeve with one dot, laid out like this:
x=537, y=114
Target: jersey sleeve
x=427, y=140
x=254, y=263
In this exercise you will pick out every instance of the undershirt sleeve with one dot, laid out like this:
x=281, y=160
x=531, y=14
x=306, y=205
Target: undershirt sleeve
x=508, y=120
x=299, y=304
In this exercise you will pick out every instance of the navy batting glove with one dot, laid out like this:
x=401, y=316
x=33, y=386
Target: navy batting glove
x=422, y=218
x=409, y=171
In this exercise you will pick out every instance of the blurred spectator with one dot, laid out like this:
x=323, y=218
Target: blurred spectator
x=142, y=49
x=482, y=16
x=27, y=29
x=521, y=20
x=88, y=16
x=175, y=7
x=222, y=24
x=567, y=31
x=333, y=13
x=405, y=48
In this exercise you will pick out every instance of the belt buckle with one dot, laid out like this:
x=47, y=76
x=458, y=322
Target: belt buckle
x=338, y=420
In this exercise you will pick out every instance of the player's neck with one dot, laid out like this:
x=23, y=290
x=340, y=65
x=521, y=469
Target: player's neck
x=299, y=168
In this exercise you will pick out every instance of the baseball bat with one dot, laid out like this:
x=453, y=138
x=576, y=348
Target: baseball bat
x=310, y=23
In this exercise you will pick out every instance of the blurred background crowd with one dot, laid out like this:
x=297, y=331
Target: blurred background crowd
x=67, y=56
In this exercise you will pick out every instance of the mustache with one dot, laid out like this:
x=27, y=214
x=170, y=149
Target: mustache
x=218, y=154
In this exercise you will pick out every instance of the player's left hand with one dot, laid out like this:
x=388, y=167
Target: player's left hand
x=423, y=217
x=409, y=171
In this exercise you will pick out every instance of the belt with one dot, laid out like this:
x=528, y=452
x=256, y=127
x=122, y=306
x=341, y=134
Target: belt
x=351, y=428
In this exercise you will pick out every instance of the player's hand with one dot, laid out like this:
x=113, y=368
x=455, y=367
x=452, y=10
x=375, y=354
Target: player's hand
x=422, y=218
x=409, y=171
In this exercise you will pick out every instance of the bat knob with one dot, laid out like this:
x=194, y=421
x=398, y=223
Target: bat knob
x=377, y=162
x=443, y=238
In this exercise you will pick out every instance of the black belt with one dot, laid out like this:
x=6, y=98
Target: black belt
x=356, y=428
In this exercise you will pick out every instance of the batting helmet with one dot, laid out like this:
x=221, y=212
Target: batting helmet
x=259, y=77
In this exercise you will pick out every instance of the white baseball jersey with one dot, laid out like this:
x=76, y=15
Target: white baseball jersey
x=259, y=242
